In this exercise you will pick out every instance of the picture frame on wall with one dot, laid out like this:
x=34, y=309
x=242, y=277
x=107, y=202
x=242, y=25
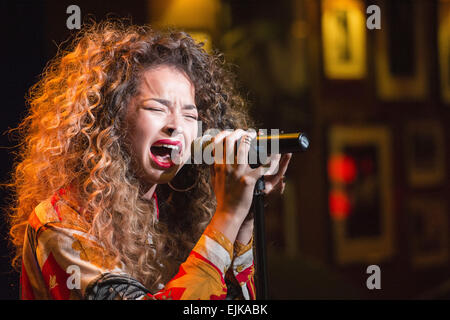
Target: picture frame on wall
x=444, y=48
x=425, y=153
x=428, y=232
x=401, y=61
x=360, y=194
x=344, y=39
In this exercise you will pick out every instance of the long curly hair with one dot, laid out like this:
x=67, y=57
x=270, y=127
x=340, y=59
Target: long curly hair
x=75, y=135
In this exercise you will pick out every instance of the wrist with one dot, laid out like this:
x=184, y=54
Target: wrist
x=238, y=213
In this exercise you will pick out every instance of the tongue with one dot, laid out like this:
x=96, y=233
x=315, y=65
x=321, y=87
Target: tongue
x=161, y=153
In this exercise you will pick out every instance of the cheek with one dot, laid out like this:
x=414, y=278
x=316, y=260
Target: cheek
x=193, y=131
x=145, y=121
x=143, y=131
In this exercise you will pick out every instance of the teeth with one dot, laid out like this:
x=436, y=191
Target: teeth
x=170, y=146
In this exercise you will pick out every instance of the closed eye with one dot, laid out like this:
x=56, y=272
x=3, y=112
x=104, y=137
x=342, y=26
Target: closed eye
x=192, y=117
x=153, y=109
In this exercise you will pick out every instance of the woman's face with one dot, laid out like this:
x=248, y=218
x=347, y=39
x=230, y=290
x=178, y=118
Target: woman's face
x=162, y=120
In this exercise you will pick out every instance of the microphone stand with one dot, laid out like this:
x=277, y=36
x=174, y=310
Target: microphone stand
x=260, y=240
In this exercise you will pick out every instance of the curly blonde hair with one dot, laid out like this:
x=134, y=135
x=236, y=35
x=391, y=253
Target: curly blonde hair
x=74, y=134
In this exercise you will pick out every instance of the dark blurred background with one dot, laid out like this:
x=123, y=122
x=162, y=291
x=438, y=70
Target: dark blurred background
x=373, y=188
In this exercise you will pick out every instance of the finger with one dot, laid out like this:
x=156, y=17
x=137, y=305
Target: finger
x=263, y=169
x=284, y=163
x=230, y=143
x=218, y=150
x=244, y=147
x=268, y=187
x=280, y=188
x=272, y=184
x=272, y=167
x=274, y=180
x=280, y=169
x=283, y=186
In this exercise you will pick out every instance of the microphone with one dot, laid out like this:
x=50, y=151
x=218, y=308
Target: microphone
x=261, y=147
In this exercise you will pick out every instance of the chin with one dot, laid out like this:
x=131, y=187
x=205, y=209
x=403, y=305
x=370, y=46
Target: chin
x=159, y=176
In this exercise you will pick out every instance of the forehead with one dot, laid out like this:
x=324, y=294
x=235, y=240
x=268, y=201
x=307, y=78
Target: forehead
x=166, y=80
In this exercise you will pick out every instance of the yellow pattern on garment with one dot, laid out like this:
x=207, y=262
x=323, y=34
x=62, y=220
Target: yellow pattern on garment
x=219, y=238
x=240, y=248
x=207, y=282
x=91, y=252
x=52, y=282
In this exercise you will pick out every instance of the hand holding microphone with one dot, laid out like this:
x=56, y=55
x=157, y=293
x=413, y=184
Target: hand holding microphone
x=261, y=146
x=234, y=181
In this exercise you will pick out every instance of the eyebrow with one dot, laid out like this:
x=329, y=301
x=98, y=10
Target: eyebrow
x=167, y=103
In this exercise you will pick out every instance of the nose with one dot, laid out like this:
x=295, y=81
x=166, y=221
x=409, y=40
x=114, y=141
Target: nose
x=173, y=125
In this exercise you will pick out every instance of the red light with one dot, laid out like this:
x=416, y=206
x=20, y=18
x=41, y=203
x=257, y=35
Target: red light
x=340, y=205
x=342, y=168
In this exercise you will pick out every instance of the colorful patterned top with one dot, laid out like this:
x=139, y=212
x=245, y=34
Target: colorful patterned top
x=61, y=261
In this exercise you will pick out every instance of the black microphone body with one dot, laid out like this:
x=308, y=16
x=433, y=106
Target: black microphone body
x=288, y=142
x=263, y=146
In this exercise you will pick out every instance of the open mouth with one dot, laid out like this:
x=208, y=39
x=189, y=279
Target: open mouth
x=164, y=154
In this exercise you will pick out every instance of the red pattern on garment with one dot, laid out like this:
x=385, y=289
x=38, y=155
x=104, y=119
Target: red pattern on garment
x=174, y=293
x=157, y=207
x=27, y=291
x=59, y=196
x=245, y=274
x=55, y=278
x=55, y=199
x=181, y=272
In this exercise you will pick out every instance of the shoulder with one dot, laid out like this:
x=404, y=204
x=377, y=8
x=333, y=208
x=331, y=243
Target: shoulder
x=56, y=209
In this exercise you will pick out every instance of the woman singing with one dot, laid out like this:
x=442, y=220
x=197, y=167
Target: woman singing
x=102, y=210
